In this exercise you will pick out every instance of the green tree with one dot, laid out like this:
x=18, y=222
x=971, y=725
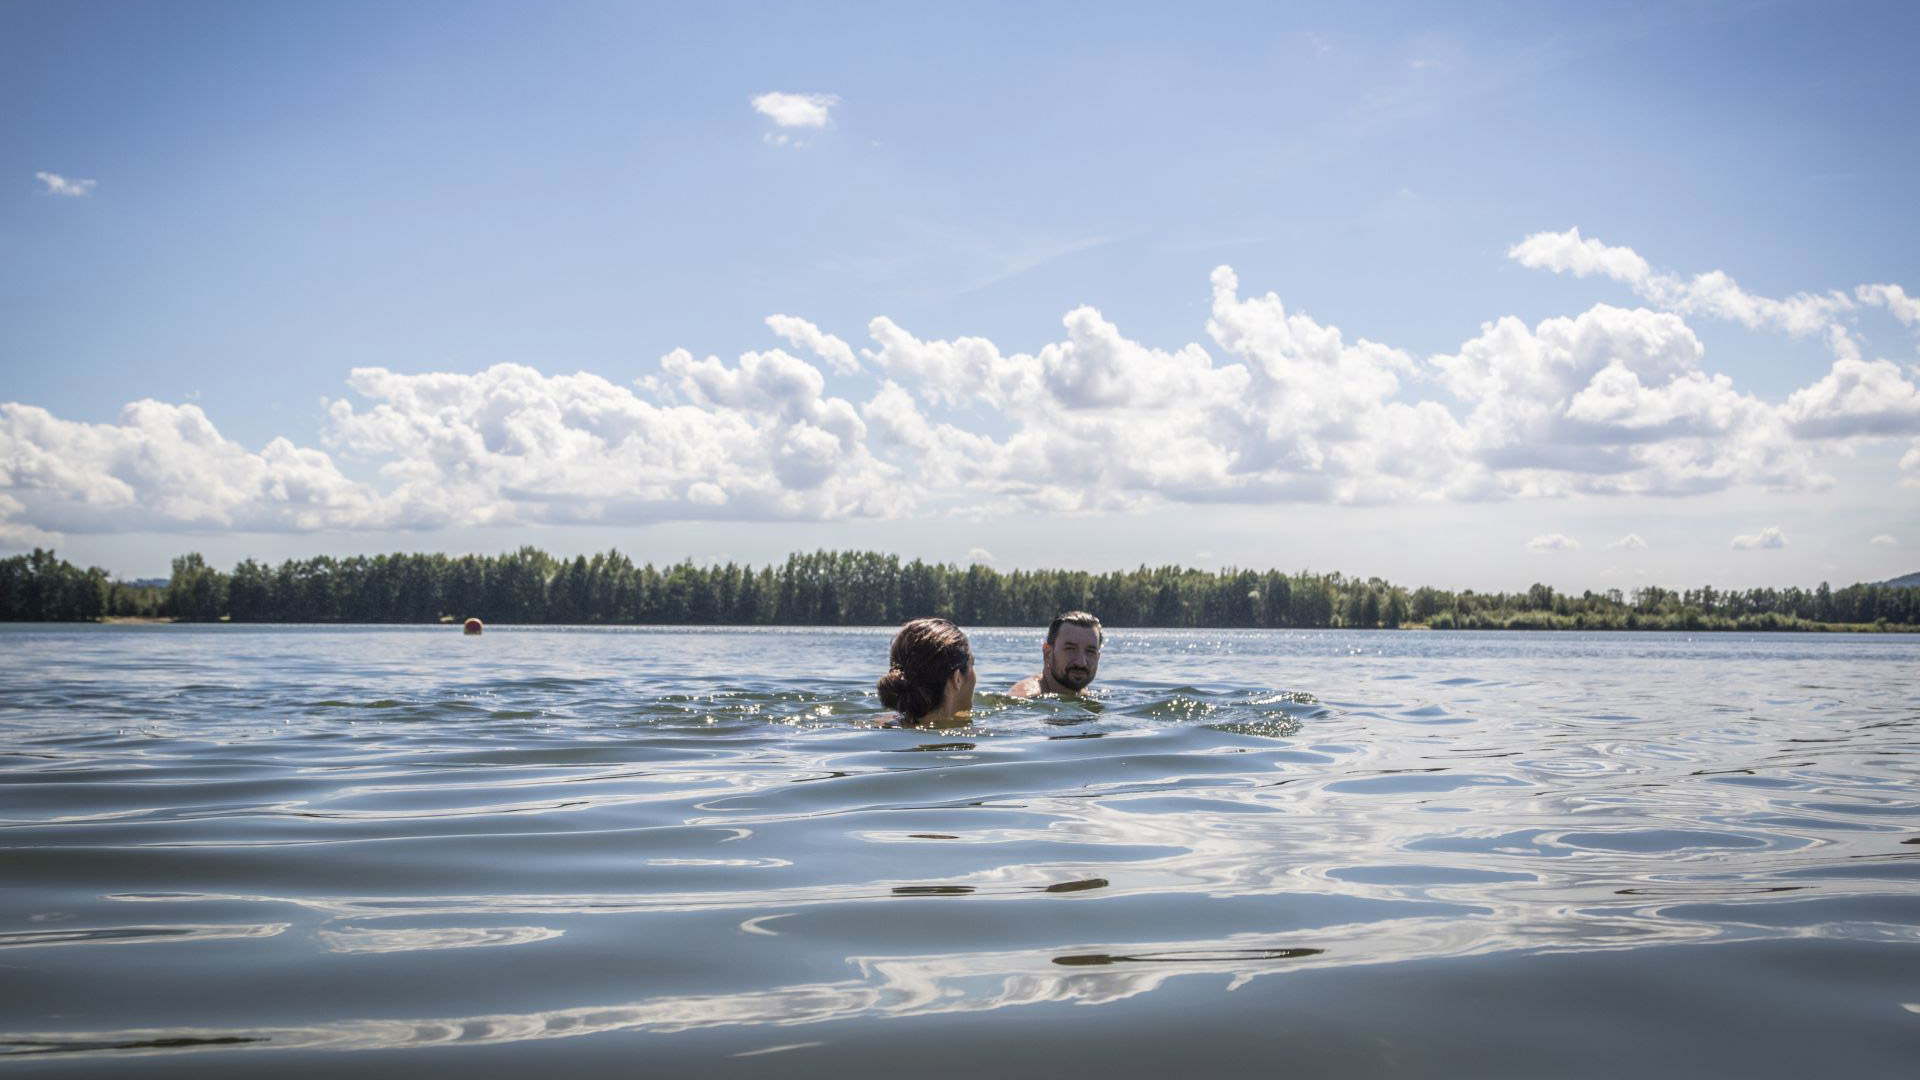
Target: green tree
x=196, y=592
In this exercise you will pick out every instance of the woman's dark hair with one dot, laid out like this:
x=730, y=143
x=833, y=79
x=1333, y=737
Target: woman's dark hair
x=925, y=653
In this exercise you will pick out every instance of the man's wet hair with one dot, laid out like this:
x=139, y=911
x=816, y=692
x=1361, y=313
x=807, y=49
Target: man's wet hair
x=1077, y=618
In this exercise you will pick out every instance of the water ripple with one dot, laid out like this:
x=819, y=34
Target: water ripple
x=346, y=828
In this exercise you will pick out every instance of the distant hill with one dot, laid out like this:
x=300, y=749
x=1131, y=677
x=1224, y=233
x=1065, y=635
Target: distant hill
x=1907, y=580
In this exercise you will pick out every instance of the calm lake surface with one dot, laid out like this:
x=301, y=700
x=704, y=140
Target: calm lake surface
x=247, y=851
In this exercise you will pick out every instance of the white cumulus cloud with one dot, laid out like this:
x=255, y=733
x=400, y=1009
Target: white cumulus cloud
x=15, y=533
x=60, y=185
x=1883, y=540
x=1569, y=252
x=796, y=110
x=509, y=445
x=1612, y=400
x=167, y=467
x=1553, y=542
x=1270, y=406
x=1769, y=537
x=1856, y=397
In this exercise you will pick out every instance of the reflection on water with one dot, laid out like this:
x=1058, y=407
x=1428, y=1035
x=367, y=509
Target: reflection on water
x=554, y=834
x=127, y=935
x=361, y=940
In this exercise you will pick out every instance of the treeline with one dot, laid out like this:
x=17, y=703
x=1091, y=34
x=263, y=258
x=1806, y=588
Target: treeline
x=42, y=588
x=853, y=588
x=1855, y=607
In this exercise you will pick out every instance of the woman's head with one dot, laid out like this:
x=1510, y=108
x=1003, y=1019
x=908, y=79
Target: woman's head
x=926, y=658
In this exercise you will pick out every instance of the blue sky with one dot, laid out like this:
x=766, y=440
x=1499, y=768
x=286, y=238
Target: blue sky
x=506, y=219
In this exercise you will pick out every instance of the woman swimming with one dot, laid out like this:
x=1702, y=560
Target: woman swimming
x=931, y=681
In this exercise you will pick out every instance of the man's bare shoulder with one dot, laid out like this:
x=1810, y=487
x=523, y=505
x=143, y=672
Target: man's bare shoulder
x=1027, y=687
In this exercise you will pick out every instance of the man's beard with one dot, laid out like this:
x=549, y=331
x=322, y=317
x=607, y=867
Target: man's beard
x=1074, y=677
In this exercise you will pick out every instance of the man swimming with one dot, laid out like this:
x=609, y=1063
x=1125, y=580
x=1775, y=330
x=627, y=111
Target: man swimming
x=1069, y=659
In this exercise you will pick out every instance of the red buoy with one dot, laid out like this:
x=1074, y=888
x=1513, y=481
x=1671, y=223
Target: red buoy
x=473, y=626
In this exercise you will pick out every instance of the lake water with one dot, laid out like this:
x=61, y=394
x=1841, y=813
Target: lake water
x=237, y=851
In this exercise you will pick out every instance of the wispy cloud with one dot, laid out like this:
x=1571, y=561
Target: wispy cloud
x=1768, y=538
x=61, y=186
x=1894, y=299
x=1629, y=542
x=802, y=334
x=1553, y=542
x=1883, y=540
x=1020, y=262
x=1712, y=293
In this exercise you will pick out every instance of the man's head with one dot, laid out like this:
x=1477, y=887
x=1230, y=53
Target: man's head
x=1071, y=656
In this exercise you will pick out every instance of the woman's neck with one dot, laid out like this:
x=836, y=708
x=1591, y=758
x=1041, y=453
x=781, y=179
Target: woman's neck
x=949, y=713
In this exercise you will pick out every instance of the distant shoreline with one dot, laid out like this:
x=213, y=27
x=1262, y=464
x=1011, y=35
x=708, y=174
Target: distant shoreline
x=448, y=621
x=528, y=587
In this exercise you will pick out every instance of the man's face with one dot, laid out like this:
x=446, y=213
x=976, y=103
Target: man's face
x=1074, y=657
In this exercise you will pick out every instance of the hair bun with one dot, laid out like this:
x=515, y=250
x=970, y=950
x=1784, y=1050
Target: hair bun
x=893, y=687
x=910, y=699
